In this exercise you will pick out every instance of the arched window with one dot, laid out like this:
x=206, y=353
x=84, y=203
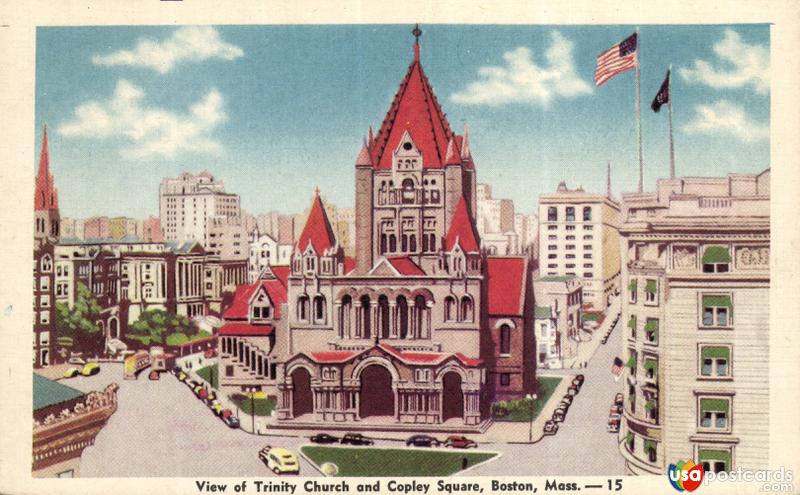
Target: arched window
x=420, y=309
x=404, y=243
x=366, y=320
x=383, y=315
x=413, y=243
x=424, y=243
x=466, y=309
x=302, y=308
x=383, y=243
x=319, y=309
x=344, y=315
x=47, y=263
x=392, y=243
x=505, y=339
x=432, y=241
x=402, y=316
x=450, y=309
x=408, y=191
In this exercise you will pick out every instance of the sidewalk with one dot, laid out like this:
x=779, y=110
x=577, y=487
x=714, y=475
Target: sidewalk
x=587, y=349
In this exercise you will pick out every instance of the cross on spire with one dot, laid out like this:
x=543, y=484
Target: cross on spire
x=417, y=32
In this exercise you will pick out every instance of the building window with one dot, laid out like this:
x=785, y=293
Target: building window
x=651, y=330
x=570, y=237
x=587, y=213
x=552, y=265
x=552, y=214
x=632, y=289
x=631, y=364
x=570, y=213
x=588, y=256
x=543, y=329
x=588, y=275
x=466, y=309
x=570, y=247
x=47, y=263
x=717, y=311
x=715, y=460
x=505, y=339
x=552, y=227
x=651, y=368
x=570, y=227
x=588, y=227
x=44, y=301
x=552, y=256
x=44, y=338
x=716, y=259
x=650, y=291
x=632, y=326
x=588, y=237
x=449, y=308
x=714, y=413
x=319, y=309
x=552, y=237
x=715, y=361
x=552, y=247
x=302, y=308
x=229, y=370
x=505, y=379
x=44, y=317
x=44, y=283
x=588, y=265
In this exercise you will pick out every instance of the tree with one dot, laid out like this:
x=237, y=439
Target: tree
x=80, y=322
x=154, y=325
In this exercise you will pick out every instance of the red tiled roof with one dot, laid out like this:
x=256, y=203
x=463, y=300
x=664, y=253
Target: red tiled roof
x=462, y=230
x=405, y=265
x=423, y=358
x=506, y=285
x=240, y=307
x=453, y=156
x=363, y=156
x=246, y=329
x=333, y=356
x=349, y=264
x=415, y=109
x=318, y=230
x=282, y=272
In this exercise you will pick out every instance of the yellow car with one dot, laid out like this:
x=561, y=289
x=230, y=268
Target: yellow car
x=279, y=460
x=72, y=372
x=90, y=369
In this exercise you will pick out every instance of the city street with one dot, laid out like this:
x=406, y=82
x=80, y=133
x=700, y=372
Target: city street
x=162, y=429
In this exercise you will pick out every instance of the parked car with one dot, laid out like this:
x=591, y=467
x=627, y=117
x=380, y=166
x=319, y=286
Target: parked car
x=324, y=438
x=616, y=409
x=229, y=419
x=558, y=415
x=550, y=427
x=154, y=375
x=619, y=399
x=578, y=380
x=71, y=373
x=202, y=393
x=279, y=460
x=422, y=441
x=613, y=425
x=567, y=399
x=216, y=407
x=356, y=439
x=572, y=390
x=76, y=360
x=90, y=369
x=460, y=442
x=181, y=376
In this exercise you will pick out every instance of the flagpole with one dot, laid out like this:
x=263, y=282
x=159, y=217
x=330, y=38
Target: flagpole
x=671, y=145
x=639, y=112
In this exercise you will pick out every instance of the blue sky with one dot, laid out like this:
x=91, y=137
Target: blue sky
x=275, y=111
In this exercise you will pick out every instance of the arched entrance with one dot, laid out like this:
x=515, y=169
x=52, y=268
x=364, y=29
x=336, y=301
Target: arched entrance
x=376, y=397
x=302, y=400
x=452, y=396
x=113, y=330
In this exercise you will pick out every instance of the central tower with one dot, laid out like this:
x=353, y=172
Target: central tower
x=410, y=176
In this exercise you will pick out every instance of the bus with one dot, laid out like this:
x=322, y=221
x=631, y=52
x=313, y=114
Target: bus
x=136, y=363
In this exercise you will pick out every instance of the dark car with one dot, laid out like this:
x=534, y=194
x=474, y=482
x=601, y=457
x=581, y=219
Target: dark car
x=324, y=438
x=618, y=399
x=229, y=419
x=356, y=439
x=550, y=427
x=578, y=380
x=567, y=399
x=460, y=442
x=422, y=441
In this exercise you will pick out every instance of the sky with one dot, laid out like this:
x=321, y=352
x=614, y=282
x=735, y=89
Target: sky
x=275, y=111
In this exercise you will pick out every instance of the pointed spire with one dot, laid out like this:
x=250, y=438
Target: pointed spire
x=44, y=157
x=371, y=138
x=462, y=230
x=465, y=152
x=317, y=231
x=417, y=32
x=46, y=196
x=453, y=157
x=364, y=158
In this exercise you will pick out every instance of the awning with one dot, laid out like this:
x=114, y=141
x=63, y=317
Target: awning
x=713, y=405
x=632, y=322
x=715, y=455
x=717, y=302
x=712, y=352
x=629, y=437
x=632, y=284
x=631, y=362
x=649, y=445
x=651, y=325
x=651, y=286
x=650, y=405
x=651, y=364
x=716, y=254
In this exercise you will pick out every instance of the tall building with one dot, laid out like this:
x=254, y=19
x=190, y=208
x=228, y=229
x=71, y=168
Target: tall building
x=579, y=236
x=45, y=211
x=695, y=272
x=192, y=206
x=97, y=228
x=497, y=223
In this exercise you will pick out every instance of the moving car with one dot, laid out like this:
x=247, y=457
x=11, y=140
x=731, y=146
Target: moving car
x=90, y=369
x=356, y=439
x=154, y=375
x=324, y=438
x=229, y=419
x=460, y=442
x=279, y=460
x=422, y=441
x=71, y=373
x=550, y=427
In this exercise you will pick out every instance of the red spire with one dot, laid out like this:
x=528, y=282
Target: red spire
x=465, y=152
x=363, y=156
x=46, y=196
x=415, y=109
x=317, y=231
x=462, y=230
x=453, y=157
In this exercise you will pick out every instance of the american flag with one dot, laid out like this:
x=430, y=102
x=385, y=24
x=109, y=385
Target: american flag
x=616, y=60
x=616, y=368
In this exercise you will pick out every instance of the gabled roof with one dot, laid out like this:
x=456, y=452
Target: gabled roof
x=317, y=231
x=462, y=230
x=506, y=286
x=46, y=194
x=48, y=392
x=281, y=273
x=415, y=109
x=240, y=307
x=405, y=265
x=246, y=329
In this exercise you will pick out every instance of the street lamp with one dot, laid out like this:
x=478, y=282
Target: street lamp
x=532, y=399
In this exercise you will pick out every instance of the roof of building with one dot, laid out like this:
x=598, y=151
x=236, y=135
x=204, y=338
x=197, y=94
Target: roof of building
x=275, y=289
x=408, y=357
x=317, y=231
x=182, y=247
x=543, y=312
x=282, y=273
x=415, y=109
x=246, y=329
x=462, y=230
x=349, y=264
x=405, y=265
x=506, y=285
x=46, y=194
x=333, y=356
x=47, y=392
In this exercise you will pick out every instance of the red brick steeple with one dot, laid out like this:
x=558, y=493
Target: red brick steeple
x=462, y=230
x=317, y=231
x=46, y=197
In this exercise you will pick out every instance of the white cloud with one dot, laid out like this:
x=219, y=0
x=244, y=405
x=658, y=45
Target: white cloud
x=149, y=131
x=521, y=80
x=724, y=117
x=187, y=44
x=741, y=65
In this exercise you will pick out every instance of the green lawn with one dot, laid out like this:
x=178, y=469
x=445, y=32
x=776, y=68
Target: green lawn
x=210, y=374
x=367, y=461
x=518, y=410
x=262, y=406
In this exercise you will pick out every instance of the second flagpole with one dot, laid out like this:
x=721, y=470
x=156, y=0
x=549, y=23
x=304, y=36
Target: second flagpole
x=671, y=145
x=639, y=112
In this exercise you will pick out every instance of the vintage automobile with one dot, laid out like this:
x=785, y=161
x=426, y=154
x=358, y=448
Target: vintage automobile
x=324, y=438
x=279, y=460
x=356, y=439
x=460, y=442
x=422, y=441
x=90, y=369
x=550, y=427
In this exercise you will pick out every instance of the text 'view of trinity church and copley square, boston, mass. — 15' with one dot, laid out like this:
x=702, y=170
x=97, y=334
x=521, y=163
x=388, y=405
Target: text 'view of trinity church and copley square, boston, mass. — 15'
x=429, y=314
